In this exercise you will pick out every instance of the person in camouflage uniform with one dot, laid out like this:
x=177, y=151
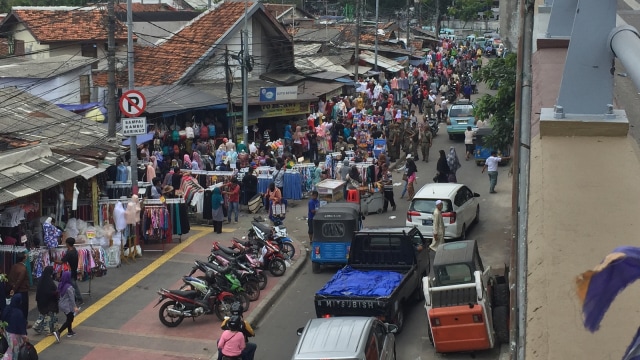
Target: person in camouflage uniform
x=407, y=137
x=425, y=141
x=394, y=142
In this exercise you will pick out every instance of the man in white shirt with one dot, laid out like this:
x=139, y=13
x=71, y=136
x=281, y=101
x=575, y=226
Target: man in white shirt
x=491, y=165
x=438, y=232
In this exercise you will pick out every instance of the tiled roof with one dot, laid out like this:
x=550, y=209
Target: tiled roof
x=277, y=9
x=165, y=63
x=67, y=25
x=99, y=78
x=139, y=7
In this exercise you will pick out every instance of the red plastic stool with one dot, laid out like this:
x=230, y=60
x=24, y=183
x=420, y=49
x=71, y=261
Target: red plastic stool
x=353, y=196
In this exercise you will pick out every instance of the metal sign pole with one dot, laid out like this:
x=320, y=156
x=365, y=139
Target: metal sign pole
x=133, y=139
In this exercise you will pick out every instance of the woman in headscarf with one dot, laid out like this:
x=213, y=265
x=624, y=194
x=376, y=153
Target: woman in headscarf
x=354, y=180
x=67, y=304
x=412, y=169
x=47, y=300
x=16, y=329
x=442, y=167
x=198, y=160
x=454, y=164
x=186, y=162
x=217, y=213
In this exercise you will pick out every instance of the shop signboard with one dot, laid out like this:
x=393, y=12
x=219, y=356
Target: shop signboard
x=286, y=109
x=278, y=93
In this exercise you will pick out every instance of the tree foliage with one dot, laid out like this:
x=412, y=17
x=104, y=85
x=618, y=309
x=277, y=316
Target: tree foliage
x=467, y=10
x=499, y=74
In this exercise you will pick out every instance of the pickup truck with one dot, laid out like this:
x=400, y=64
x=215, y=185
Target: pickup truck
x=384, y=271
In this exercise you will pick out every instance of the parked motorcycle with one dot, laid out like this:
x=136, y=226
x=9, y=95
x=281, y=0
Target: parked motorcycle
x=242, y=258
x=248, y=276
x=227, y=279
x=192, y=303
x=278, y=234
x=269, y=255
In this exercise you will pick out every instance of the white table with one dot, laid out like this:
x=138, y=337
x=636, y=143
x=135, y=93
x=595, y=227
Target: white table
x=331, y=189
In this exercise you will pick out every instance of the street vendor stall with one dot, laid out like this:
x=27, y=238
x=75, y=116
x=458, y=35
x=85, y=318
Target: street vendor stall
x=331, y=190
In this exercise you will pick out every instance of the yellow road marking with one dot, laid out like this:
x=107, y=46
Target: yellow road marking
x=115, y=293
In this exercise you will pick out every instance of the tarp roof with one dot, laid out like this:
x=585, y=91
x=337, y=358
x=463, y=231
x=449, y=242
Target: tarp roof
x=28, y=170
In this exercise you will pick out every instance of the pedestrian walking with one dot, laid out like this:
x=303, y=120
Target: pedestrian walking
x=468, y=142
x=316, y=175
x=442, y=168
x=426, y=140
x=67, y=305
x=314, y=205
x=411, y=178
x=19, y=282
x=233, y=193
x=491, y=166
x=47, y=300
x=217, y=211
x=454, y=165
x=71, y=258
x=387, y=187
x=16, y=328
x=438, y=230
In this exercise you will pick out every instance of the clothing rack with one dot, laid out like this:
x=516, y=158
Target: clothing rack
x=157, y=204
x=147, y=202
x=90, y=271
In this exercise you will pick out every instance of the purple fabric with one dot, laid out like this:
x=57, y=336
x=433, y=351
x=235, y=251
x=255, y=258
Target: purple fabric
x=65, y=282
x=633, y=351
x=607, y=283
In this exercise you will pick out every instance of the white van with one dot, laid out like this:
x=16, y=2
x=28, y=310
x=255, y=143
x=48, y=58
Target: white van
x=348, y=337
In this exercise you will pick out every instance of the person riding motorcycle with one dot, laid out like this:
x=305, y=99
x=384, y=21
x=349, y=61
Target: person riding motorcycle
x=236, y=321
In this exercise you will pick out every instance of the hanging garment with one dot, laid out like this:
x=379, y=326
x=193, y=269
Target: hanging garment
x=119, y=216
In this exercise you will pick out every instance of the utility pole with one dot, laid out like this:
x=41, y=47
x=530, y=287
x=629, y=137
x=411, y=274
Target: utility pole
x=245, y=78
x=375, y=62
x=133, y=139
x=111, y=70
x=408, y=24
x=357, y=51
x=437, y=26
x=228, y=87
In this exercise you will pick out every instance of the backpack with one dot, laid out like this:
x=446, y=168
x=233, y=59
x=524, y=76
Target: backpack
x=175, y=136
x=212, y=130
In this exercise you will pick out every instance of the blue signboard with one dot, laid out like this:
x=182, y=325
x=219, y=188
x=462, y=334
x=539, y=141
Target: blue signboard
x=268, y=94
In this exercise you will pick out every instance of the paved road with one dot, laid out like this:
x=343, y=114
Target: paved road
x=277, y=331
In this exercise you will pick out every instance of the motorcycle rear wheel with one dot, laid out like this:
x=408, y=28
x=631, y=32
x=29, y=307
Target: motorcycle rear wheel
x=277, y=267
x=288, y=250
x=262, y=280
x=252, y=290
x=223, y=308
x=165, y=318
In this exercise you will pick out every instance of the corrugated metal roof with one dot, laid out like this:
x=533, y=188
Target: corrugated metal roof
x=318, y=88
x=177, y=97
x=46, y=68
x=383, y=62
x=28, y=170
x=29, y=118
x=306, y=49
x=315, y=64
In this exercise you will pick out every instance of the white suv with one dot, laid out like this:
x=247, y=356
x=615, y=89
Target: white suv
x=460, y=209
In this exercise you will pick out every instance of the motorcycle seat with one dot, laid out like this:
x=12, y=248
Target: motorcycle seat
x=189, y=294
x=226, y=250
x=262, y=227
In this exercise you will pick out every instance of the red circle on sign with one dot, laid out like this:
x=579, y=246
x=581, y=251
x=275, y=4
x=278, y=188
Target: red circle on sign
x=132, y=103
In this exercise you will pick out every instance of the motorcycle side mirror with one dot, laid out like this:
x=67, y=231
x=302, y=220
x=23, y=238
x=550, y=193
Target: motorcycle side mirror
x=299, y=331
x=476, y=195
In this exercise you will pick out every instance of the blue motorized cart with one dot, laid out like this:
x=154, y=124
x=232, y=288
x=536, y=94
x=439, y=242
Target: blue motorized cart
x=333, y=227
x=482, y=152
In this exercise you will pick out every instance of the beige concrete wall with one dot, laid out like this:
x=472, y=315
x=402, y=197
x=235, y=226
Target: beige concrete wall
x=31, y=46
x=584, y=201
